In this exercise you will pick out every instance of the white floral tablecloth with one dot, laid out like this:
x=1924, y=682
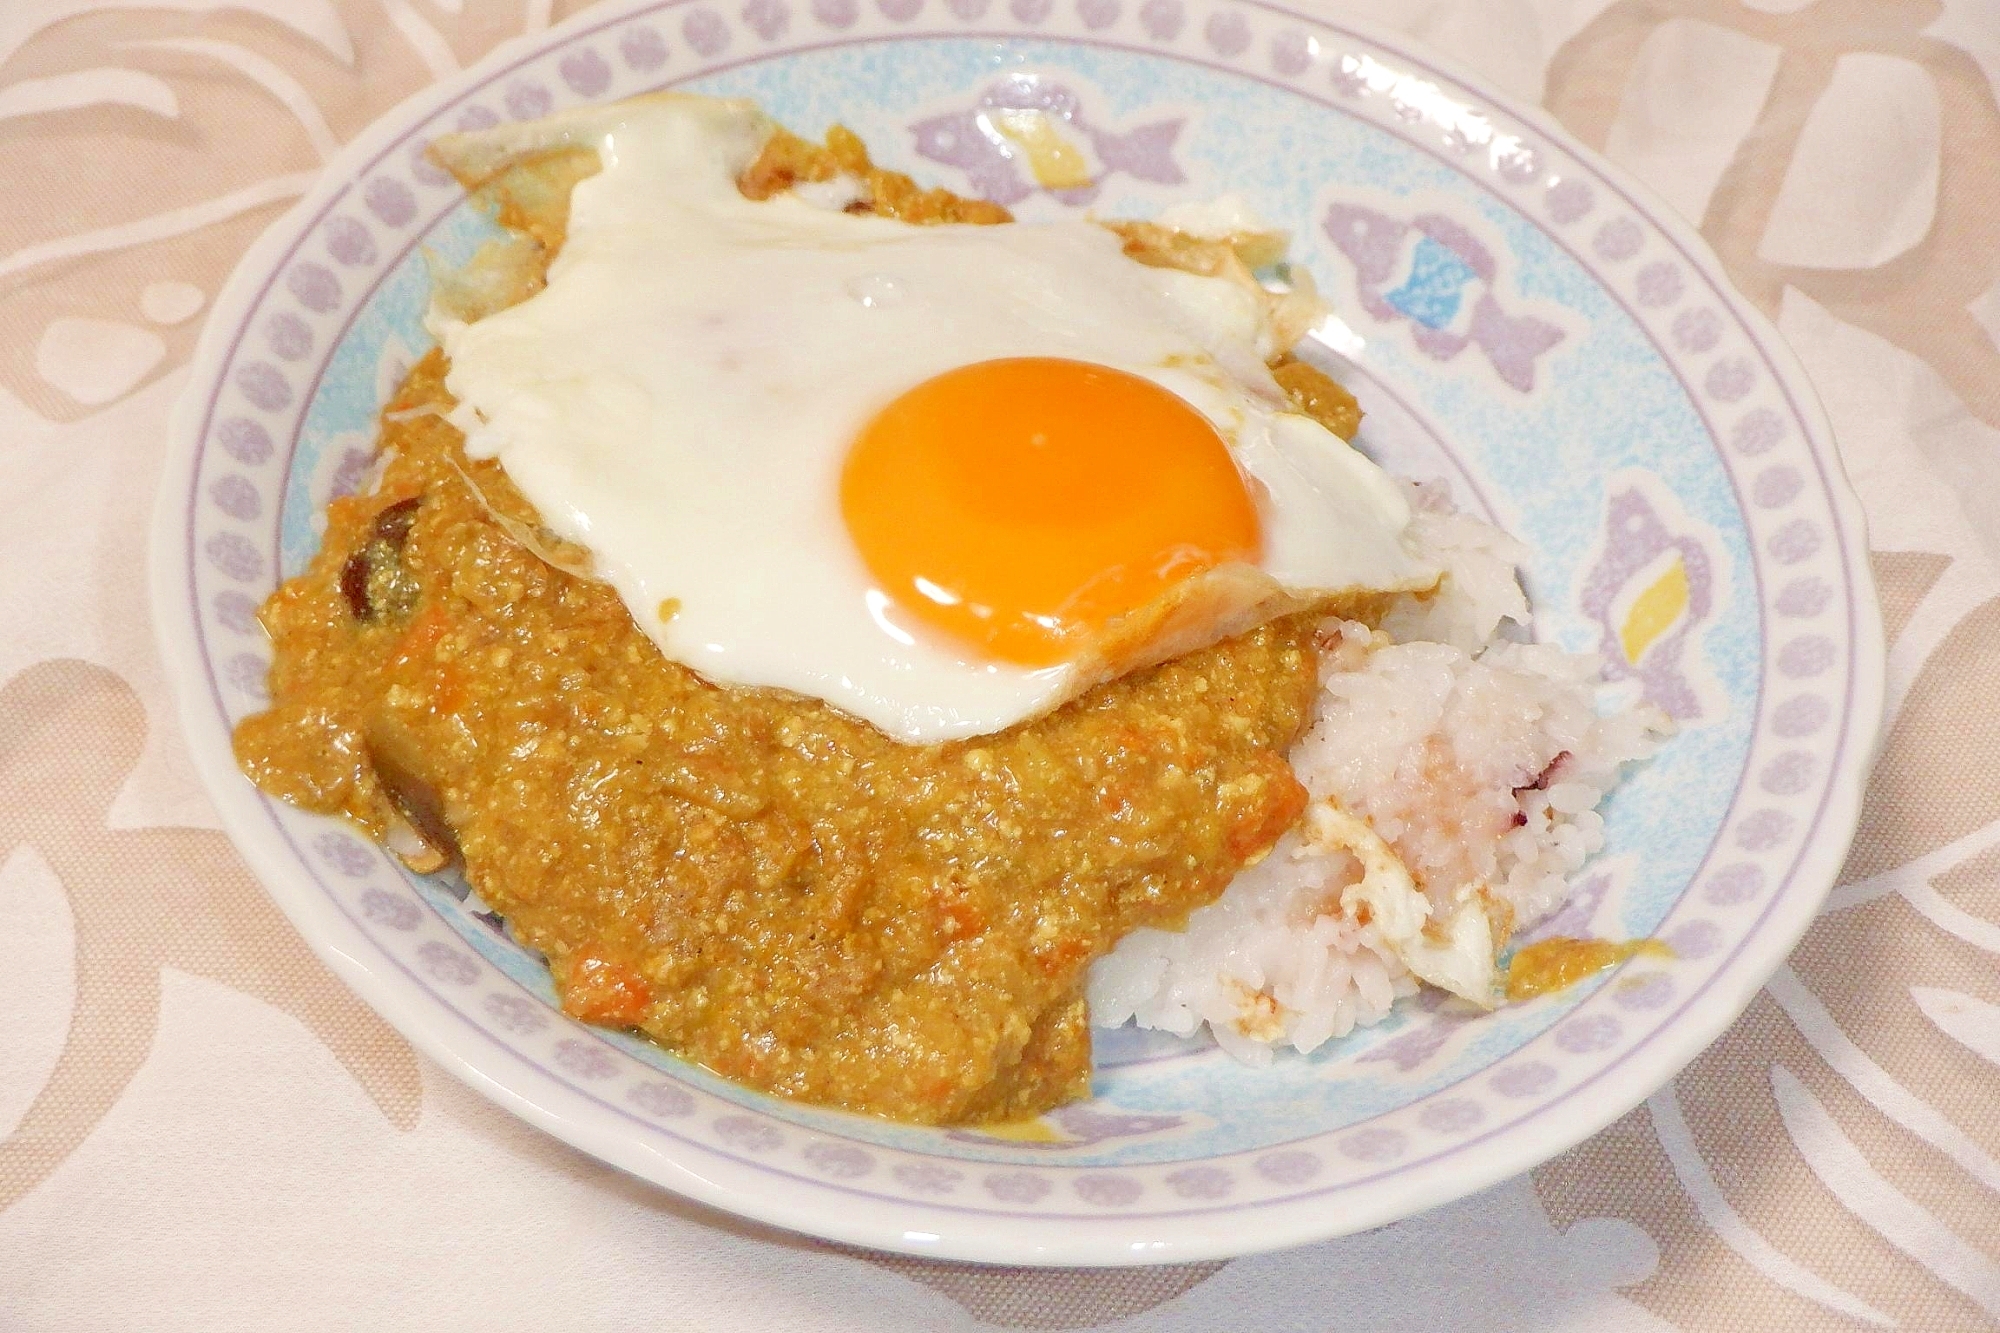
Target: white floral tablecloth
x=200, y=1129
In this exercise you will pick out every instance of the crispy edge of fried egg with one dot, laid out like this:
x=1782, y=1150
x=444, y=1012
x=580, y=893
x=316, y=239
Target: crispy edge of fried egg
x=1222, y=239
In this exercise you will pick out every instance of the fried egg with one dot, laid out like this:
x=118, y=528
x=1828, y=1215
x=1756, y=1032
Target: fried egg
x=942, y=477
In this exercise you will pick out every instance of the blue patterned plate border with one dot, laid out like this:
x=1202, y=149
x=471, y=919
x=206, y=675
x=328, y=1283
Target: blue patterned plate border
x=1520, y=321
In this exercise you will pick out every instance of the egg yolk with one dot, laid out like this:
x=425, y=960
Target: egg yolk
x=1023, y=505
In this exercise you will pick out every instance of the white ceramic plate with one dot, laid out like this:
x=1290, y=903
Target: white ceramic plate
x=1518, y=319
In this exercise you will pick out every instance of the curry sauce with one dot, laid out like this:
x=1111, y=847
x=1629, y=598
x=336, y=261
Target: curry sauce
x=758, y=881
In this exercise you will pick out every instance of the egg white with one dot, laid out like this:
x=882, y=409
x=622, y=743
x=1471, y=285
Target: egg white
x=680, y=398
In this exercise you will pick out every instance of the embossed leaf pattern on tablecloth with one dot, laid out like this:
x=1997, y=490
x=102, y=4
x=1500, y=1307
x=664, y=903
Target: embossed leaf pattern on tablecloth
x=1834, y=1161
x=143, y=899
x=115, y=111
x=1835, y=1158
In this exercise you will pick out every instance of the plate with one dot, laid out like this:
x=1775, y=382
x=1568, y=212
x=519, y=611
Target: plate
x=1517, y=319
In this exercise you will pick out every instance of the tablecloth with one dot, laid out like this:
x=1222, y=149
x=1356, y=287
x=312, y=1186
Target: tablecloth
x=204, y=1130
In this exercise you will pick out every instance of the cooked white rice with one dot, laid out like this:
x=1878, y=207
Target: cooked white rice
x=1477, y=758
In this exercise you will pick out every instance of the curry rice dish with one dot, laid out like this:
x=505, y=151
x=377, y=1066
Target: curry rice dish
x=770, y=885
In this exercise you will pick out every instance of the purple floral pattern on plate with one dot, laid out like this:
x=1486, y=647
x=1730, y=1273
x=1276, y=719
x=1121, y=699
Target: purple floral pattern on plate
x=516, y=1013
x=1108, y=1191
x=265, y=386
x=1452, y=1116
x=1695, y=940
x=585, y=1059
x=1292, y=52
x=1729, y=379
x=1227, y=33
x=748, y=1133
x=1797, y=541
x=842, y=1161
x=1375, y=1144
x=1162, y=19
x=1697, y=330
x=526, y=101
x=1016, y=1186
x=1800, y=716
x=1568, y=200
x=1201, y=1182
x=1659, y=284
x=234, y=556
x=447, y=964
x=704, y=30
x=585, y=72
x=642, y=48
x=768, y=18
x=287, y=336
x=1590, y=1032
x=1097, y=14
x=665, y=1101
x=1763, y=830
x=238, y=612
x=1652, y=990
x=1806, y=657
x=246, y=672
x=929, y=1177
x=1288, y=1168
x=1524, y=1080
x=349, y=242
x=1618, y=239
x=391, y=201
x=1518, y=165
x=395, y=912
x=1758, y=431
x=1734, y=883
x=235, y=497
x=317, y=289
x=245, y=441
x=1777, y=487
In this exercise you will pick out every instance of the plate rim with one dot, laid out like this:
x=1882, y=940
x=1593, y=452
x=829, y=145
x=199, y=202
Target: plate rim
x=535, y=1096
